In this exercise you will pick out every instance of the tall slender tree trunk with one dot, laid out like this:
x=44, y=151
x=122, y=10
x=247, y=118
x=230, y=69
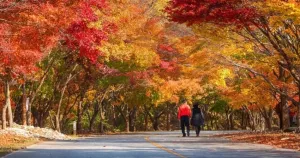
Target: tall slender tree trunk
x=101, y=127
x=127, y=118
x=24, y=98
x=284, y=113
x=243, y=121
x=168, y=118
x=7, y=107
x=8, y=104
x=127, y=125
x=227, y=120
x=99, y=108
x=231, y=118
x=252, y=120
x=114, y=116
x=124, y=114
x=4, y=111
x=146, y=121
x=28, y=113
x=298, y=108
x=10, y=113
x=33, y=93
x=95, y=114
x=102, y=118
x=156, y=123
x=132, y=118
x=79, y=116
x=57, y=117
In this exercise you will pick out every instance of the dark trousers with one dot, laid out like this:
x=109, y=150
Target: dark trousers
x=197, y=128
x=185, y=122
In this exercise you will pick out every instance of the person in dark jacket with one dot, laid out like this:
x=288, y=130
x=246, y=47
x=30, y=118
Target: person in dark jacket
x=197, y=118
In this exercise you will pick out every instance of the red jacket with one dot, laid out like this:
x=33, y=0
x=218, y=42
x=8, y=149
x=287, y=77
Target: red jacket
x=184, y=110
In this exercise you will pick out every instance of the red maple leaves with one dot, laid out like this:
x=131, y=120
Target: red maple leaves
x=86, y=39
x=80, y=36
x=14, y=59
x=29, y=29
x=238, y=12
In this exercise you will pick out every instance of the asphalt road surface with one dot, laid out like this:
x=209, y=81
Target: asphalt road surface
x=151, y=145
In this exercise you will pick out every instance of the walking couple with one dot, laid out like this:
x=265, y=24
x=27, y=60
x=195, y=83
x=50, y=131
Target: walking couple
x=184, y=114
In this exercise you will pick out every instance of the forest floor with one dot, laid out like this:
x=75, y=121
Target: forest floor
x=276, y=139
x=12, y=142
x=19, y=137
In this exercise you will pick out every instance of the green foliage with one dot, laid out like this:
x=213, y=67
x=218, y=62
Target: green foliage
x=219, y=106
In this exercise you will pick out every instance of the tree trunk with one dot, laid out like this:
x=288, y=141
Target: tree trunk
x=168, y=118
x=127, y=125
x=10, y=113
x=114, y=116
x=284, y=115
x=95, y=114
x=132, y=117
x=33, y=93
x=227, y=120
x=298, y=115
x=267, y=115
x=24, y=98
x=243, y=121
x=156, y=123
x=7, y=104
x=98, y=108
x=18, y=112
x=57, y=117
x=146, y=121
x=57, y=125
x=102, y=116
x=124, y=114
x=298, y=108
x=28, y=112
x=4, y=110
x=79, y=116
x=101, y=127
x=251, y=119
x=7, y=107
x=231, y=117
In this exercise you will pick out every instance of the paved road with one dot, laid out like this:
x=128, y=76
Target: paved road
x=151, y=145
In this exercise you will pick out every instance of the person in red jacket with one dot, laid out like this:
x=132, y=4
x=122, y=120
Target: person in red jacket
x=184, y=114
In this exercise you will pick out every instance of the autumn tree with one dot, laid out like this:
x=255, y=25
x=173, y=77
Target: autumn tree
x=26, y=29
x=257, y=22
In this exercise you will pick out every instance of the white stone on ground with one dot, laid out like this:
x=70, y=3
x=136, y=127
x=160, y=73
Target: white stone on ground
x=34, y=132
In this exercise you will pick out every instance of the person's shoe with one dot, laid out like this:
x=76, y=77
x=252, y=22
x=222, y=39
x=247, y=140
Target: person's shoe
x=184, y=135
x=188, y=134
x=197, y=135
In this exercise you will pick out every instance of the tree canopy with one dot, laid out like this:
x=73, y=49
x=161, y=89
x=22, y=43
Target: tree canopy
x=114, y=65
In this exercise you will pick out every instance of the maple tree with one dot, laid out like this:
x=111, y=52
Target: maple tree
x=256, y=22
x=25, y=29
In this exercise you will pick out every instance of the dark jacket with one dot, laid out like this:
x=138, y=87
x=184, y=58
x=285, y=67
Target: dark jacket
x=197, y=117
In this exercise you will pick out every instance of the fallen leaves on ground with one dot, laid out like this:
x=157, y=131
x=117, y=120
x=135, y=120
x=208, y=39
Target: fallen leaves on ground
x=277, y=139
x=10, y=142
